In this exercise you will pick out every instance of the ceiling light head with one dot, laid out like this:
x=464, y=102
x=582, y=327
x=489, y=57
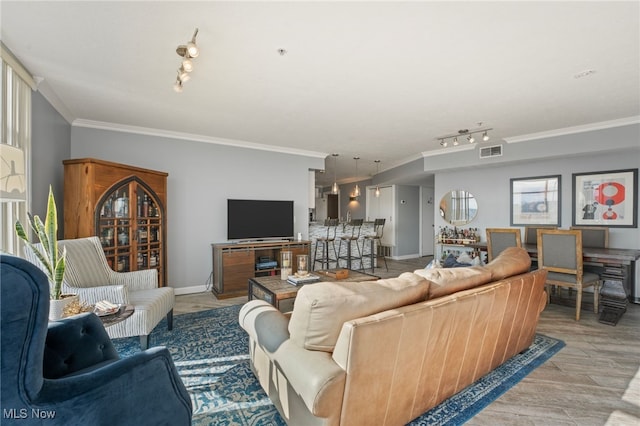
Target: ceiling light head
x=471, y=139
x=177, y=86
x=444, y=143
x=455, y=141
x=192, y=50
x=485, y=136
x=187, y=65
x=183, y=75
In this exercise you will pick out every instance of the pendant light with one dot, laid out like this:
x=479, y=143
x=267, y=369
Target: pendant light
x=356, y=190
x=377, y=193
x=334, y=187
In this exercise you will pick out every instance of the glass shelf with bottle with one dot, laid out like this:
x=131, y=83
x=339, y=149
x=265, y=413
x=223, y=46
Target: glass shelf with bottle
x=458, y=236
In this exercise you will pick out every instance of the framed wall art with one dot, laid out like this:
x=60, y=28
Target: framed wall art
x=606, y=198
x=535, y=201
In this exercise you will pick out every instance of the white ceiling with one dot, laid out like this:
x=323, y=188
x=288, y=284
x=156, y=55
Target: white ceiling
x=378, y=80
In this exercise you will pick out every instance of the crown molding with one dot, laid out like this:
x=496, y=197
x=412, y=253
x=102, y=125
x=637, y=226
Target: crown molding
x=195, y=138
x=54, y=100
x=575, y=129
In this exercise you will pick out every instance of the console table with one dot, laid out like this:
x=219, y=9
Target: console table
x=235, y=263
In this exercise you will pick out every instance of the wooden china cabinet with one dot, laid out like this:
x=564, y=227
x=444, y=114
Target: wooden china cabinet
x=122, y=205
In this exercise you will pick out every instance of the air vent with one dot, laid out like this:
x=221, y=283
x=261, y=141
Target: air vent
x=491, y=151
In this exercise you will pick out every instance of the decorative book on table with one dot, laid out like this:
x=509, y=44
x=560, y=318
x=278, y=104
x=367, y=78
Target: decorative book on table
x=297, y=280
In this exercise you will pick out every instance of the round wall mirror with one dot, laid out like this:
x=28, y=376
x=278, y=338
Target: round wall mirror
x=458, y=207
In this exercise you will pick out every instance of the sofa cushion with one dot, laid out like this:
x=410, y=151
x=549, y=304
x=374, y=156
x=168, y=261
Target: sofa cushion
x=320, y=309
x=511, y=261
x=445, y=281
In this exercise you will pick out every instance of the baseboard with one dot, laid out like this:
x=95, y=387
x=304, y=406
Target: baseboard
x=189, y=290
x=405, y=257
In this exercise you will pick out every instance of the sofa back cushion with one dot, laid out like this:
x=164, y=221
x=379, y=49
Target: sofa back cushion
x=511, y=261
x=320, y=309
x=445, y=281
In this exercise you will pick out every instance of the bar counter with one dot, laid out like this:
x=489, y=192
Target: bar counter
x=317, y=229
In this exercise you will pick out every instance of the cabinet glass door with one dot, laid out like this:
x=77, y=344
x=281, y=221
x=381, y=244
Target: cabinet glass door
x=148, y=230
x=114, y=228
x=129, y=222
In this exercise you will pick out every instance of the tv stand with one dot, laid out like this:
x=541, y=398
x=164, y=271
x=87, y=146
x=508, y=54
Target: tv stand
x=234, y=263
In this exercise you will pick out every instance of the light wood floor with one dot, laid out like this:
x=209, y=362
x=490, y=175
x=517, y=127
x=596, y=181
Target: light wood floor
x=593, y=380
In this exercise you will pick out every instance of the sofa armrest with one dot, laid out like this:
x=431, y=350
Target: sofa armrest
x=76, y=343
x=112, y=293
x=264, y=324
x=314, y=375
x=144, y=279
x=311, y=374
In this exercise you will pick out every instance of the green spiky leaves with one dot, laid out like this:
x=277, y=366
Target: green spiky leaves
x=48, y=253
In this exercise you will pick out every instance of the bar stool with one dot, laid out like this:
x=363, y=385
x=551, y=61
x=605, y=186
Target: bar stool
x=323, y=243
x=375, y=238
x=356, y=226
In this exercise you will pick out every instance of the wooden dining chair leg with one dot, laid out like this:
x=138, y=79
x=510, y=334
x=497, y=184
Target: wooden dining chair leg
x=578, y=303
x=548, y=287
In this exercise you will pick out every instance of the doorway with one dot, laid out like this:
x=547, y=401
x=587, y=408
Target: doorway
x=332, y=206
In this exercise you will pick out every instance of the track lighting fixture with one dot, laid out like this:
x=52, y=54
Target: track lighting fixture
x=470, y=138
x=187, y=51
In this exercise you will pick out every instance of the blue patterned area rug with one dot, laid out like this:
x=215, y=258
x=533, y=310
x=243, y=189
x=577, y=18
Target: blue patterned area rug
x=210, y=350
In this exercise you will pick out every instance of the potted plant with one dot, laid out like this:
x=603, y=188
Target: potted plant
x=53, y=264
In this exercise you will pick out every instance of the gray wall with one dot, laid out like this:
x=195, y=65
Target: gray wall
x=358, y=208
x=202, y=176
x=491, y=187
x=50, y=144
x=408, y=221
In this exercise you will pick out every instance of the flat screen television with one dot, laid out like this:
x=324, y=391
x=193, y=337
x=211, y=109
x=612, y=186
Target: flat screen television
x=259, y=219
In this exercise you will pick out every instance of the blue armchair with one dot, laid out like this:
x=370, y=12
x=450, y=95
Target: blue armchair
x=68, y=372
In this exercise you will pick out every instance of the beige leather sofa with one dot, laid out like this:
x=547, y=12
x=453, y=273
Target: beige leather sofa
x=385, y=352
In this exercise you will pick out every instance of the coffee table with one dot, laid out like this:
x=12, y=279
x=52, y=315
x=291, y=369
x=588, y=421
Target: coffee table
x=281, y=293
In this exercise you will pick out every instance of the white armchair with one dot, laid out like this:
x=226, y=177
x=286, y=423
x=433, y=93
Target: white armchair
x=89, y=276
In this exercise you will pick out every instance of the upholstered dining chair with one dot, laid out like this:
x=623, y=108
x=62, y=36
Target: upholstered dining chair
x=531, y=233
x=89, y=276
x=499, y=239
x=531, y=237
x=68, y=372
x=560, y=253
x=594, y=236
